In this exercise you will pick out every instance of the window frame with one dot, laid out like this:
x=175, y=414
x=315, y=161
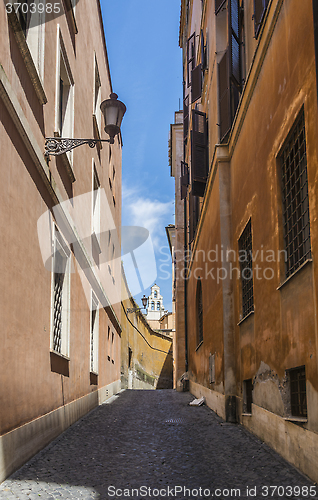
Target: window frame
x=302, y=406
x=64, y=112
x=247, y=291
x=60, y=245
x=199, y=313
x=94, y=334
x=292, y=263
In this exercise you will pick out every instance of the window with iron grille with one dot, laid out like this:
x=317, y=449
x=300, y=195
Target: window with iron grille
x=94, y=334
x=245, y=258
x=60, y=296
x=199, y=313
x=295, y=197
x=298, y=400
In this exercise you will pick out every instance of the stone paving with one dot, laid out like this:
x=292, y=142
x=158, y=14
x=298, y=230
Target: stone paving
x=152, y=444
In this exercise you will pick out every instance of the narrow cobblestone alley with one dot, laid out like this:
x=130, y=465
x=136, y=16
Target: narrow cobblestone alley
x=153, y=442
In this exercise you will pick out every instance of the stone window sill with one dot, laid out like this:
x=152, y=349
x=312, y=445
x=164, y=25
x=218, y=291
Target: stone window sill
x=245, y=317
x=199, y=345
x=300, y=420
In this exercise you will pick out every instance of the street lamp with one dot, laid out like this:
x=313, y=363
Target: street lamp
x=144, y=301
x=113, y=111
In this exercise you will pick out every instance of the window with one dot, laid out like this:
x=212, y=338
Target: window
x=64, y=116
x=298, y=400
x=184, y=180
x=295, y=197
x=113, y=347
x=108, y=344
x=28, y=25
x=94, y=332
x=199, y=153
x=96, y=206
x=199, y=309
x=185, y=117
x=60, y=315
x=260, y=7
x=97, y=100
x=245, y=258
x=230, y=72
x=155, y=294
x=152, y=306
x=190, y=57
x=247, y=395
x=193, y=216
x=158, y=306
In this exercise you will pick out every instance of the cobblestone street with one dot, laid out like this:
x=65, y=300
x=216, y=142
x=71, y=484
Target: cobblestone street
x=153, y=442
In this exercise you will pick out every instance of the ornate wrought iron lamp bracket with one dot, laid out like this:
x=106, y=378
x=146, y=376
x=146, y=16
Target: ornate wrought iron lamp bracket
x=59, y=145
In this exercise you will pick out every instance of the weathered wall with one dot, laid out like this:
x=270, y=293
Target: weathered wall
x=244, y=183
x=149, y=365
x=34, y=381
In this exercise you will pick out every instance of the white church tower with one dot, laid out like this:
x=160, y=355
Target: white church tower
x=155, y=309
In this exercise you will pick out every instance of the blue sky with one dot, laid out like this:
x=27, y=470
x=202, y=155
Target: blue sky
x=146, y=71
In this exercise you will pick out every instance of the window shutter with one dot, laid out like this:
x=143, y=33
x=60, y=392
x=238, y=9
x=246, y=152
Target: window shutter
x=185, y=117
x=203, y=53
x=184, y=179
x=235, y=41
x=224, y=96
x=196, y=81
x=193, y=215
x=190, y=56
x=260, y=7
x=218, y=5
x=199, y=157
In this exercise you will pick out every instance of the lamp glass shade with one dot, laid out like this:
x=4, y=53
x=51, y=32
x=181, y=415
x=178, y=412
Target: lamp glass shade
x=113, y=111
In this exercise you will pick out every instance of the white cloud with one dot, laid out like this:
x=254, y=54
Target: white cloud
x=144, y=212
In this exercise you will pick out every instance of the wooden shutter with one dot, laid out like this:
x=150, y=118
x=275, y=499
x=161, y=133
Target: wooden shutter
x=203, y=53
x=218, y=5
x=234, y=41
x=184, y=179
x=224, y=96
x=196, y=83
x=199, y=156
x=190, y=57
x=185, y=116
x=260, y=7
x=193, y=215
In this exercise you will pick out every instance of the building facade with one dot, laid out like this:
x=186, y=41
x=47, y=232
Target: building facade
x=180, y=363
x=146, y=354
x=249, y=167
x=60, y=301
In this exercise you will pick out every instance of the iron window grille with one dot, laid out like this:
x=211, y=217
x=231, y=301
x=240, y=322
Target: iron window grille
x=60, y=296
x=298, y=400
x=58, y=305
x=295, y=197
x=246, y=262
x=200, y=312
